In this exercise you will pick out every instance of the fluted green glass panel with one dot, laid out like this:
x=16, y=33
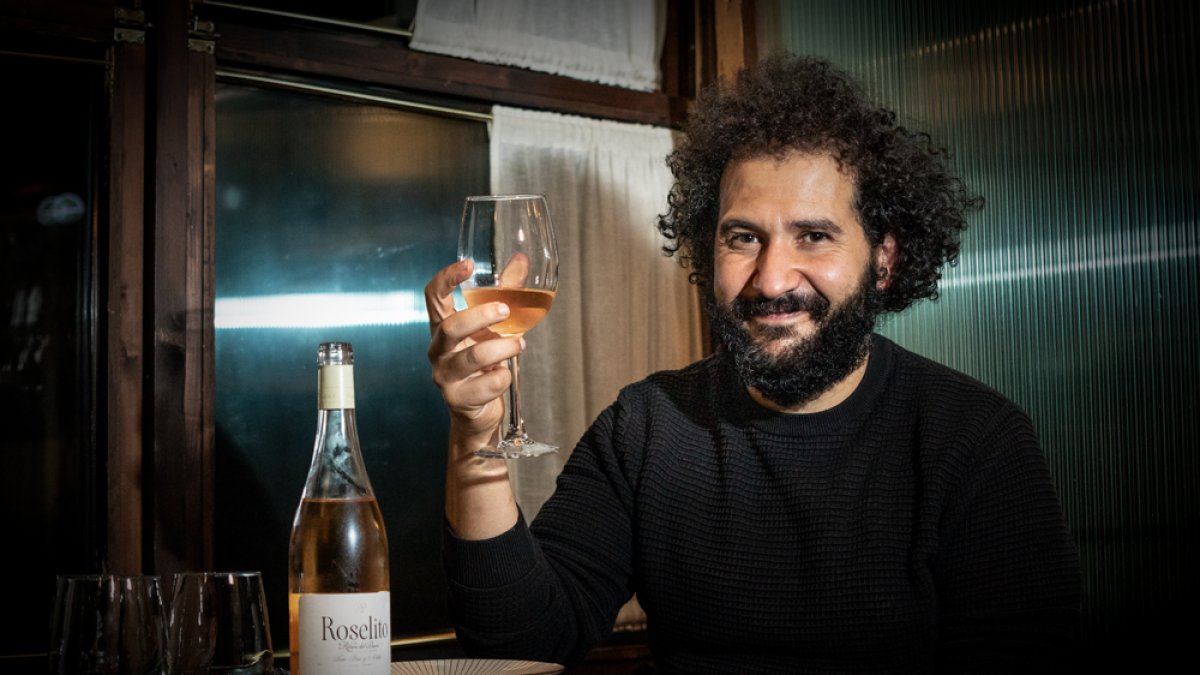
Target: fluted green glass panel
x=1077, y=289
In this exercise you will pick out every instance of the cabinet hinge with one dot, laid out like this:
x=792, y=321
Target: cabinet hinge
x=129, y=25
x=202, y=36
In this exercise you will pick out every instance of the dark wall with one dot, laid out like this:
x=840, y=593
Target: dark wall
x=1076, y=294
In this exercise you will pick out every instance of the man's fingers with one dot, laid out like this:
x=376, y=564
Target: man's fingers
x=477, y=358
x=478, y=391
x=516, y=271
x=439, y=292
x=459, y=326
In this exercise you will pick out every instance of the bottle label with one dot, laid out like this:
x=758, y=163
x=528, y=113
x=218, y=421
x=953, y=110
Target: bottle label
x=335, y=387
x=345, y=633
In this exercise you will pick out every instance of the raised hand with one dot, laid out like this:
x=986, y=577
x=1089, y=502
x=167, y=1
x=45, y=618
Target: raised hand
x=468, y=358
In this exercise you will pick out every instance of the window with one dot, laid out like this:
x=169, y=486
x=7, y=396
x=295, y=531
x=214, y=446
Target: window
x=47, y=333
x=330, y=217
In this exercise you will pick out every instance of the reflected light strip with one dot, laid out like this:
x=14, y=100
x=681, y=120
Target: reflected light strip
x=959, y=276
x=319, y=310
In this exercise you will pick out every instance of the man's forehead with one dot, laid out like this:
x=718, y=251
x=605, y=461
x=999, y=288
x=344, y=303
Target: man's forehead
x=789, y=154
x=812, y=179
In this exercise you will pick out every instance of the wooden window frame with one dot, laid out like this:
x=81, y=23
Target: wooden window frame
x=155, y=366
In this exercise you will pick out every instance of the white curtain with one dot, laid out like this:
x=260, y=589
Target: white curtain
x=614, y=42
x=623, y=310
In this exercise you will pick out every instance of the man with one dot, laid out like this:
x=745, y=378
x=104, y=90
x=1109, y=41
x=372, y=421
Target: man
x=812, y=498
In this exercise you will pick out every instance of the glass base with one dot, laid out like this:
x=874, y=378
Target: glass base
x=516, y=448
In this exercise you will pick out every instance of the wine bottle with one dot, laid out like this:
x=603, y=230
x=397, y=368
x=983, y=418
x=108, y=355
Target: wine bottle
x=338, y=591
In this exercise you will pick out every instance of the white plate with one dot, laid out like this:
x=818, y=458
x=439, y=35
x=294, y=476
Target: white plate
x=474, y=667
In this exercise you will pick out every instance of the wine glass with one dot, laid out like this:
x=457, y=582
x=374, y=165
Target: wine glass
x=219, y=624
x=108, y=624
x=84, y=630
x=511, y=240
x=142, y=646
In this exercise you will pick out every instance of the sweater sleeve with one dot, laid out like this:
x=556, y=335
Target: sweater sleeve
x=1007, y=571
x=551, y=591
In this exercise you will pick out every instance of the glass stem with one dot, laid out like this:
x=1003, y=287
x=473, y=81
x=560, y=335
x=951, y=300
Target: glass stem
x=516, y=424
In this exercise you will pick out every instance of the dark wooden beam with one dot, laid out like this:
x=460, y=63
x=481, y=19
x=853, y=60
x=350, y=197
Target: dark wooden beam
x=200, y=404
x=179, y=295
x=121, y=404
x=749, y=21
x=678, y=62
x=385, y=60
x=733, y=35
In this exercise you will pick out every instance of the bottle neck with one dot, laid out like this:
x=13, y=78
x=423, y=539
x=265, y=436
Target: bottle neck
x=337, y=470
x=335, y=387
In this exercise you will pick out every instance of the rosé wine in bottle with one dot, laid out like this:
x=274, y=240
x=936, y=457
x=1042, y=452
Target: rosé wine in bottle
x=338, y=589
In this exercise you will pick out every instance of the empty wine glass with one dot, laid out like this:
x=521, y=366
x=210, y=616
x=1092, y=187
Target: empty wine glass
x=84, y=631
x=142, y=646
x=108, y=624
x=511, y=240
x=218, y=624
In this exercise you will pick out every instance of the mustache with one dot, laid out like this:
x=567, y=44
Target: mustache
x=815, y=304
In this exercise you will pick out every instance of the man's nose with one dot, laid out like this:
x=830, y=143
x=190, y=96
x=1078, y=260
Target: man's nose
x=778, y=271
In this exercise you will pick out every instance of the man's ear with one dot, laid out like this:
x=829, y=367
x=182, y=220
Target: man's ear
x=886, y=254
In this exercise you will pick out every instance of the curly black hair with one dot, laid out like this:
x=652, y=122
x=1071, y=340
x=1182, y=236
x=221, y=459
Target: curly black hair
x=788, y=103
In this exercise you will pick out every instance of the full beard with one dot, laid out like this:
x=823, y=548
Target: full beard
x=798, y=373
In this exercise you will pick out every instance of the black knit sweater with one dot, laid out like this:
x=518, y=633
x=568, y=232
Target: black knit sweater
x=914, y=527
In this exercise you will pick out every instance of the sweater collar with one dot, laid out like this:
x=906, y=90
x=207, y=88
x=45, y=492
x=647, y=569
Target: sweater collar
x=742, y=409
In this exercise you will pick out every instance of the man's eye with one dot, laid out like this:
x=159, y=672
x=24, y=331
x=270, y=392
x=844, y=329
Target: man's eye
x=814, y=237
x=741, y=238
